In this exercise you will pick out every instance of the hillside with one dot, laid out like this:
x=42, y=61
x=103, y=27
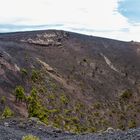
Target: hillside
x=71, y=81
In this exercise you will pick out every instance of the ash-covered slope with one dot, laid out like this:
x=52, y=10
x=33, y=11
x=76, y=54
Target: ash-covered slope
x=85, y=83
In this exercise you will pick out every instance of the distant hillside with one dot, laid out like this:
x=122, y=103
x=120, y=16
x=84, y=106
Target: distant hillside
x=71, y=81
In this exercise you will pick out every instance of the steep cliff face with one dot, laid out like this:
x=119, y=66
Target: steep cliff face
x=89, y=81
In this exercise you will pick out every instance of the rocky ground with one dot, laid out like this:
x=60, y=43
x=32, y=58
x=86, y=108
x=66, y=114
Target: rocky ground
x=16, y=129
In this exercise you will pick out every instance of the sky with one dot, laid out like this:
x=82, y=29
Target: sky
x=117, y=19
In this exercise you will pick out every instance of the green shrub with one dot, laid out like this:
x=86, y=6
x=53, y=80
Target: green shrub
x=30, y=137
x=24, y=72
x=97, y=105
x=92, y=129
x=35, y=108
x=53, y=86
x=42, y=90
x=67, y=112
x=130, y=107
x=96, y=114
x=121, y=126
x=75, y=120
x=7, y=112
x=19, y=93
x=3, y=100
x=126, y=94
x=132, y=124
x=64, y=99
x=122, y=116
x=51, y=96
x=35, y=75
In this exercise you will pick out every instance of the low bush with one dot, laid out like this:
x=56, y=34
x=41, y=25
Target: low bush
x=30, y=137
x=19, y=93
x=24, y=72
x=132, y=124
x=3, y=100
x=35, y=75
x=7, y=112
x=126, y=94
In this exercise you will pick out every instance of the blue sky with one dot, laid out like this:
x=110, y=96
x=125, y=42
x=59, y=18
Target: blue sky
x=118, y=19
x=130, y=9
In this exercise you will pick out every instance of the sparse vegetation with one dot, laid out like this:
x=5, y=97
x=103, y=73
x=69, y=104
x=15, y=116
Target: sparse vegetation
x=59, y=113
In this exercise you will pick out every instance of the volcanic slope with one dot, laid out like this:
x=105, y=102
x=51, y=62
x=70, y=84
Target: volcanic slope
x=71, y=81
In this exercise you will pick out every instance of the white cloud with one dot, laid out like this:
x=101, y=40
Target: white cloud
x=97, y=15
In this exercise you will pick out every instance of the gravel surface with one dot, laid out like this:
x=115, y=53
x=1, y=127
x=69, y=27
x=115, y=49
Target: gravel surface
x=133, y=134
x=15, y=130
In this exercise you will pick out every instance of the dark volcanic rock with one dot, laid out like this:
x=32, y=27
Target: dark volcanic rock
x=14, y=132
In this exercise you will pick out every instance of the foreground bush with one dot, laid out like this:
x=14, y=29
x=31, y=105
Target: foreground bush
x=30, y=137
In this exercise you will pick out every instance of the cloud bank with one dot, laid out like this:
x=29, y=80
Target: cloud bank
x=104, y=18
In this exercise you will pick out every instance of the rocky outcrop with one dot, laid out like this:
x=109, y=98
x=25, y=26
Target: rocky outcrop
x=46, y=39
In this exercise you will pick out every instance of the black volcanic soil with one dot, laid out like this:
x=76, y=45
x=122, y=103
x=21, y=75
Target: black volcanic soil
x=99, y=77
x=14, y=129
